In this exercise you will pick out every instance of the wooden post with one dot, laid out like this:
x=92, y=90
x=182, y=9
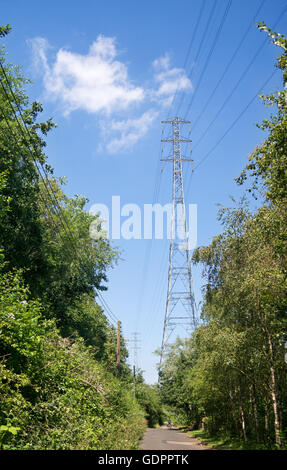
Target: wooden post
x=119, y=350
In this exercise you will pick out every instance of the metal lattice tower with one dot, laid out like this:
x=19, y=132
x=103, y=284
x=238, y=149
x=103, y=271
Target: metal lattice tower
x=180, y=303
x=135, y=347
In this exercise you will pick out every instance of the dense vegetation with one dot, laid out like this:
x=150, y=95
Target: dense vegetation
x=58, y=384
x=231, y=376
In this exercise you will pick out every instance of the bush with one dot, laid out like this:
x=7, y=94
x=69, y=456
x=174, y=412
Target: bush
x=54, y=394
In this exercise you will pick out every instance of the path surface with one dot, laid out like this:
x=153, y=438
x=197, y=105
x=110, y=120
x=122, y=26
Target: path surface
x=165, y=438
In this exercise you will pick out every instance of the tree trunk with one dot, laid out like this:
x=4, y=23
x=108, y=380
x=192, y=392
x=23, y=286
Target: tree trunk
x=274, y=395
x=233, y=408
x=242, y=417
x=266, y=419
x=255, y=413
x=243, y=426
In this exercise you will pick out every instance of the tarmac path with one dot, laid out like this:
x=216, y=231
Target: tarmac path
x=165, y=438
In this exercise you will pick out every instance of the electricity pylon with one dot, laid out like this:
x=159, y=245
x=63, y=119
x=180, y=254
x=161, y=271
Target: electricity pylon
x=135, y=347
x=135, y=341
x=180, y=302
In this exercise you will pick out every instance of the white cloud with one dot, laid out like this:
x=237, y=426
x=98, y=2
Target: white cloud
x=98, y=83
x=170, y=80
x=95, y=82
x=124, y=134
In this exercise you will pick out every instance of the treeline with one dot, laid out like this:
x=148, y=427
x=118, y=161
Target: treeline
x=230, y=377
x=58, y=385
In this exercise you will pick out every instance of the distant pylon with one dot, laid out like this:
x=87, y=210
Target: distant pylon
x=135, y=341
x=180, y=302
x=135, y=347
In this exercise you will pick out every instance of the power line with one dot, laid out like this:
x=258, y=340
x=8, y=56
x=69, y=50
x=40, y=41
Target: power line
x=235, y=120
x=224, y=73
x=107, y=308
x=244, y=73
x=195, y=122
x=149, y=245
x=102, y=301
x=189, y=50
x=26, y=142
x=48, y=208
x=105, y=305
x=27, y=145
x=225, y=14
x=199, y=49
x=157, y=292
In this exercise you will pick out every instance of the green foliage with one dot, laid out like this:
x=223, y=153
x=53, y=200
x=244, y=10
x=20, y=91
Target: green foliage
x=77, y=264
x=267, y=164
x=54, y=393
x=4, y=431
x=4, y=30
x=149, y=399
x=176, y=391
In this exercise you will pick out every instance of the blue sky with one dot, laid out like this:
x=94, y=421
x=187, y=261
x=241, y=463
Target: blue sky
x=107, y=73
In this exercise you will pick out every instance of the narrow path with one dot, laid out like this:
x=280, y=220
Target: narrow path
x=165, y=438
